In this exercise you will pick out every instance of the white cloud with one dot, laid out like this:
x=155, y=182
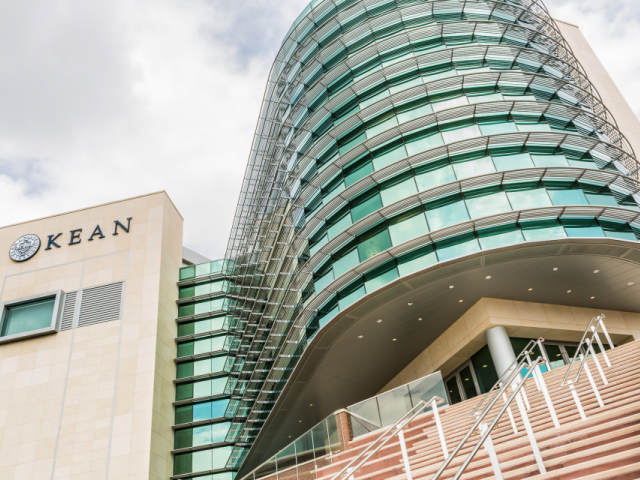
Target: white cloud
x=109, y=99
x=612, y=28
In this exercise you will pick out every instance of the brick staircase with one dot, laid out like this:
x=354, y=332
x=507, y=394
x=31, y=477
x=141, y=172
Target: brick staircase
x=604, y=446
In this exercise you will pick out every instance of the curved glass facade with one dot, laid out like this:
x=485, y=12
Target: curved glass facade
x=394, y=134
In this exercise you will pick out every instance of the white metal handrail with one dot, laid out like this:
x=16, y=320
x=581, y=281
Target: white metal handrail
x=395, y=429
x=526, y=351
x=588, y=343
x=537, y=377
x=584, y=349
x=513, y=381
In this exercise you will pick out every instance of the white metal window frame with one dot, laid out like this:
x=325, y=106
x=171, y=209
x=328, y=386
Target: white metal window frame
x=53, y=327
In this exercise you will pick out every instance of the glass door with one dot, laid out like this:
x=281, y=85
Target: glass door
x=462, y=384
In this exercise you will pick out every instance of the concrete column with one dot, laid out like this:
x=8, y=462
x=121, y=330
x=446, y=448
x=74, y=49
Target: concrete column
x=500, y=347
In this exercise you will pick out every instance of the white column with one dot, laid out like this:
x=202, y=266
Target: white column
x=500, y=347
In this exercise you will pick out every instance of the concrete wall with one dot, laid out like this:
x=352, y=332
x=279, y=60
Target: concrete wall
x=521, y=319
x=611, y=96
x=94, y=402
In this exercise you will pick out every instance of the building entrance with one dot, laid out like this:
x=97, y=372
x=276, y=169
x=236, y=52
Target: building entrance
x=462, y=384
x=478, y=374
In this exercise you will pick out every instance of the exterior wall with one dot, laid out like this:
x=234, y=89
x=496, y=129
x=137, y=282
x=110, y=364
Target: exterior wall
x=521, y=319
x=85, y=403
x=611, y=96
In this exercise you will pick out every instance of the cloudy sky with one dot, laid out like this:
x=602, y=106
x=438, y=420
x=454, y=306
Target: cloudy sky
x=107, y=99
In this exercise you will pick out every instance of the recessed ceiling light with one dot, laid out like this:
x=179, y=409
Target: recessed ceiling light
x=299, y=421
x=596, y=271
x=379, y=321
x=420, y=319
x=460, y=301
x=360, y=336
x=410, y=303
x=450, y=286
x=592, y=298
x=394, y=339
x=555, y=269
x=289, y=436
x=484, y=366
x=631, y=283
x=311, y=404
x=530, y=289
x=568, y=291
x=488, y=277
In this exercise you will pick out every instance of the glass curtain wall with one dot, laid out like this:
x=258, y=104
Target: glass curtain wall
x=371, y=106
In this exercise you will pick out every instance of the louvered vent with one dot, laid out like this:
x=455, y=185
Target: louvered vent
x=100, y=304
x=67, y=311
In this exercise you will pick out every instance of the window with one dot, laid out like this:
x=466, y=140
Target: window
x=35, y=315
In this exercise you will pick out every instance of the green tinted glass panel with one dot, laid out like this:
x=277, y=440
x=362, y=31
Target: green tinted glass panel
x=512, y=162
x=424, y=143
x=601, y=199
x=501, y=239
x=483, y=206
x=568, y=197
x=357, y=170
x=407, y=226
x=27, y=317
x=550, y=160
x=497, y=128
x=373, y=242
x=380, y=277
x=391, y=156
x=345, y=300
x=413, y=263
x=391, y=192
x=184, y=414
x=346, y=262
x=472, y=168
x=525, y=199
x=447, y=215
x=458, y=250
x=435, y=178
x=365, y=205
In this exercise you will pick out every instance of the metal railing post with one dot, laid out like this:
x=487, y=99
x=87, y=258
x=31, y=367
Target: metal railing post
x=604, y=353
x=597, y=362
x=583, y=355
x=491, y=451
x=529, y=430
x=511, y=419
x=405, y=457
x=577, y=400
x=547, y=397
x=524, y=396
x=592, y=382
x=436, y=416
x=606, y=334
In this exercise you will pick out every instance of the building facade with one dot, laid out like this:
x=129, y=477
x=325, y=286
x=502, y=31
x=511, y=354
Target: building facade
x=87, y=342
x=431, y=184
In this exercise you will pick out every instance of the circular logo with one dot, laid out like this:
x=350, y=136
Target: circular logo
x=24, y=248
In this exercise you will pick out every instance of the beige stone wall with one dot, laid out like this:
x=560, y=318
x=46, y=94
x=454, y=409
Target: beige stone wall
x=94, y=402
x=521, y=319
x=611, y=96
